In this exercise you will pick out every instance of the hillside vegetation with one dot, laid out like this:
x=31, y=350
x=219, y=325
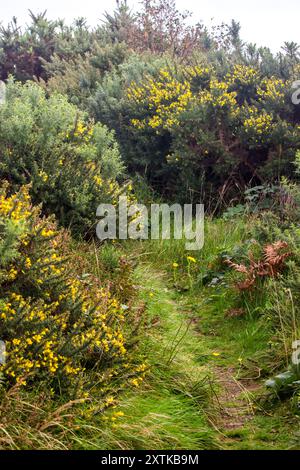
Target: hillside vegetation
x=141, y=344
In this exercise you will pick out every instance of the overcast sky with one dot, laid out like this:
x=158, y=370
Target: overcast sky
x=265, y=22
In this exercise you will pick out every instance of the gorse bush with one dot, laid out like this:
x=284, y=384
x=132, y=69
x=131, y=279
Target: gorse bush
x=219, y=118
x=56, y=327
x=78, y=78
x=192, y=114
x=234, y=129
x=72, y=164
x=142, y=150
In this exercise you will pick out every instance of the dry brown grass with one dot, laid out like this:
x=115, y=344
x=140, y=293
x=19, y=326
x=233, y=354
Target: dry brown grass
x=27, y=423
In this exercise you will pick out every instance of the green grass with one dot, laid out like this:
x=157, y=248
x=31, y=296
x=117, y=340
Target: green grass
x=265, y=433
x=203, y=365
x=195, y=340
x=169, y=410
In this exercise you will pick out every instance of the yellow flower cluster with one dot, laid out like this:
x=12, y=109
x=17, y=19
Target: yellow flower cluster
x=218, y=95
x=165, y=98
x=271, y=89
x=98, y=180
x=16, y=207
x=82, y=132
x=197, y=71
x=243, y=75
x=259, y=123
x=43, y=175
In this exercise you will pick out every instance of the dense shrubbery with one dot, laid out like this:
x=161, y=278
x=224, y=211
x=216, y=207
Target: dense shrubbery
x=57, y=326
x=206, y=104
x=266, y=280
x=199, y=115
x=198, y=123
x=71, y=163
x=225, y=131
x=78, y=78
x=143, y=150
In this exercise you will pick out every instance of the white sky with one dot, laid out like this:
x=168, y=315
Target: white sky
x=265, y=22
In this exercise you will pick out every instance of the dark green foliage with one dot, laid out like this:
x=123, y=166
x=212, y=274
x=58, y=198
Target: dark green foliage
x=95, y=68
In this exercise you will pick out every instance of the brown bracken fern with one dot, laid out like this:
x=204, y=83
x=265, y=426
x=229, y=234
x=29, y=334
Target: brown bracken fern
x=270, y=265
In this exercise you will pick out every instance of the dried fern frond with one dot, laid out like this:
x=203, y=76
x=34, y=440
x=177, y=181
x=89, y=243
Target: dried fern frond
x=271, y=264
x=240, y=268
x=272, y=253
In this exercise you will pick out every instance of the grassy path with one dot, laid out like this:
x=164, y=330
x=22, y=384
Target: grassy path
x=192, y=398
x=167, y=412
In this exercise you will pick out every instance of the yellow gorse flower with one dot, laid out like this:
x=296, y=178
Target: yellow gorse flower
x=65, y=323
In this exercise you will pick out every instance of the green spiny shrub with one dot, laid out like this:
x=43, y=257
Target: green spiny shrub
x=72, y=164
x=58, y=326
